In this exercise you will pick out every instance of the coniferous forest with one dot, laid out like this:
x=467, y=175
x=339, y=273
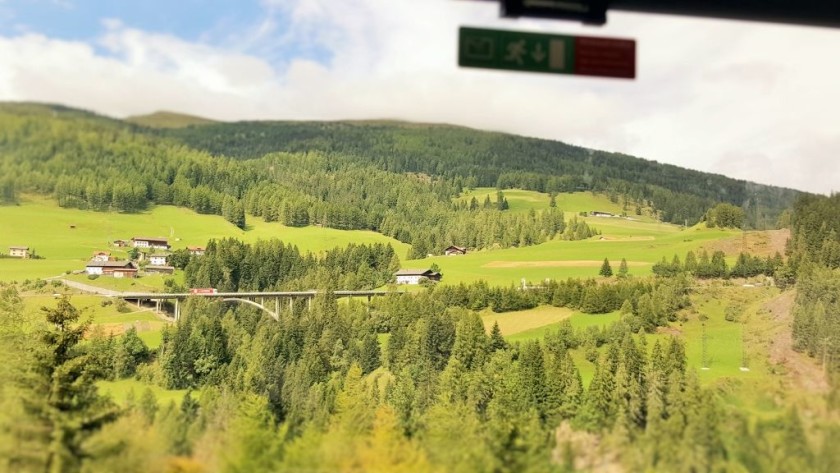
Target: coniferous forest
x=410, y=381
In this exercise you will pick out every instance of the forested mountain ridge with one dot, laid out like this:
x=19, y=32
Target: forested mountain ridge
x=215, y=168
x=485, y=158
x=91, y=162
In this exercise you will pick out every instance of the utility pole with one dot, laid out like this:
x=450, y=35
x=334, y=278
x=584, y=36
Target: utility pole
x=744, y=366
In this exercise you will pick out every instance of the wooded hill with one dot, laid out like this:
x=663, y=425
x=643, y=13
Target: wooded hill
x=395, y=178
x=481, y=158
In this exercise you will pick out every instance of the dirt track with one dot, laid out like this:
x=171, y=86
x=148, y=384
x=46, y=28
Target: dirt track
x=803, y=372
x=759, y=243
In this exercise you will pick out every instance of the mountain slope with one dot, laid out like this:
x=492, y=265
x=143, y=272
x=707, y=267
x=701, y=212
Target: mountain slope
x=482, y=158
x=164, y=119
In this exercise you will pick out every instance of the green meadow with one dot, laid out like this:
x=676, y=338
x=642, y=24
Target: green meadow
x=641, y=240
x=522, y=200
x=641, y=244
x=67, y=238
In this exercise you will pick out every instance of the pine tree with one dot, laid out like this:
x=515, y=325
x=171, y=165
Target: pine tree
x=63, y=398
x=606, y=269
x=497, y=341
x=623, y=270
x=370, y=356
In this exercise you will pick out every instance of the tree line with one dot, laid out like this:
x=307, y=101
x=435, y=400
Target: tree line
x=230, y=265
x=317, y=391
x=472, y=158
x=814, y=250
x=92, y=163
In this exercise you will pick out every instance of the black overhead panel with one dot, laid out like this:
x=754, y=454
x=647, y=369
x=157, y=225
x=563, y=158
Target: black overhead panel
x=803, y=12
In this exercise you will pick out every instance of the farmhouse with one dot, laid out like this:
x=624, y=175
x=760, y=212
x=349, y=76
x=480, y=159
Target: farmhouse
x=101, y=256
x=150, y=242
x=455, y=250
x=117, y=269
x=196, y=250
x=19, y=251
x=158, y=259
x=120, y=243
x=597, y=213
x=159, y=269
x=414, y=276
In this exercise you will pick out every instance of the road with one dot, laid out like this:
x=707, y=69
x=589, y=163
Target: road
x=88, y=288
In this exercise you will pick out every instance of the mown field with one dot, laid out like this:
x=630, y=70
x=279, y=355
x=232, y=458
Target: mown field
x=522, y=201
x=43, y=226
x=641, y=240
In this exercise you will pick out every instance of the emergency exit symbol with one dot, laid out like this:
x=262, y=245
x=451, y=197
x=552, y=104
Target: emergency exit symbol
x=479, y=47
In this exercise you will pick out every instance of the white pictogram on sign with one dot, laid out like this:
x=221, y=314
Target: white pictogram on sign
x=516, y=51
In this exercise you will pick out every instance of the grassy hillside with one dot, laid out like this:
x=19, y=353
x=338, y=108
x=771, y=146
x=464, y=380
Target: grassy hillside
x=520, y=200
x=43, y=226
x=164, y=119
x=640, y=243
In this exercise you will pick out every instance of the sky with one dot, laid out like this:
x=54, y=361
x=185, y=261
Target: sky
x=748, y=100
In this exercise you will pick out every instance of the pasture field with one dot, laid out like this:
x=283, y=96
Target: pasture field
x=45, y=227
x=522, y=201
x=511, y=323
x=103, y=313
x=641, y=243
x=149, y=283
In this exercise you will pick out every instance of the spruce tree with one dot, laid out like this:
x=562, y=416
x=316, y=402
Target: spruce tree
x=606, y=269
x=623, y=270
x=497, y=341
x=62, y=397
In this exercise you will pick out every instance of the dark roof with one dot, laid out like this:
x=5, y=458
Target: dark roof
x=453, y=247
x=165, y=255
x=111, y=264
x=150, y=239
x=151, y=266
x=18, y=247
x=414, y=272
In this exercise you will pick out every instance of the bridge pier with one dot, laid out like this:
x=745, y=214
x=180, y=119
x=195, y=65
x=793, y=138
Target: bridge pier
x=177, y=310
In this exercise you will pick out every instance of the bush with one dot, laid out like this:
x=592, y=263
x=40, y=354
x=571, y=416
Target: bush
x=732, y=313
x=92, y=276
x=106, y=302
x=122, y=306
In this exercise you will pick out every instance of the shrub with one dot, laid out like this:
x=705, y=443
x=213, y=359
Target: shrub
x=92, y=276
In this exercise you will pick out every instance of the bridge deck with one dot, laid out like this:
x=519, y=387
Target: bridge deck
x=182, y=295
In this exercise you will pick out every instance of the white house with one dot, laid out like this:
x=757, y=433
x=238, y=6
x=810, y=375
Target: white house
x=117, y=269
x=19, y=251
x=158, y=259
x=196, y=250
x=101, y=256
x=414, y=276
x=150, y=242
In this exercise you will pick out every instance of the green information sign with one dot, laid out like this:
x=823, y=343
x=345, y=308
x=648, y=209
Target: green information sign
x=537, y=52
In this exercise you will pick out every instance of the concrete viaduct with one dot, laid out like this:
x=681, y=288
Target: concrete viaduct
x=260, y=299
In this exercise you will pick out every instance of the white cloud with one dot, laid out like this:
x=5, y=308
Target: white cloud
x=749, y=100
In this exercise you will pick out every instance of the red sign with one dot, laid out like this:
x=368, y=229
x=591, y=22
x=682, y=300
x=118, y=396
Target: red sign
x=606, y=57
